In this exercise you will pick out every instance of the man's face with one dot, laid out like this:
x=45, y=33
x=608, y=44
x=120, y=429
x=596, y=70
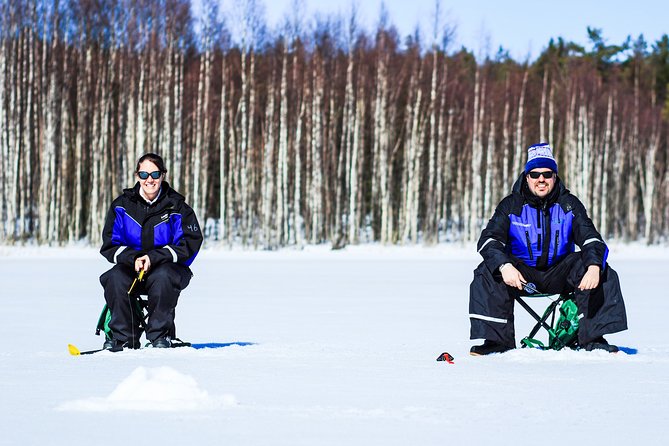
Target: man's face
x=541, y=186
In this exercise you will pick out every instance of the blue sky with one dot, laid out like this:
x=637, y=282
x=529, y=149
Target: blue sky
x=522, y=27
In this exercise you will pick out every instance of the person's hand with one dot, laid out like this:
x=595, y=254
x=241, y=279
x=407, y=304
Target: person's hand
x=512, y=276
x=591, y=278
x=143, y=264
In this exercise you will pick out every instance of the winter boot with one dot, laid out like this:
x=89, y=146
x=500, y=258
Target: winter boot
x=600, y=344
x=162, y=343
x=114, y=345
x=488, y=347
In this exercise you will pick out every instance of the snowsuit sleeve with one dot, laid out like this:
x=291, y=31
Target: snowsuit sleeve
x=494, y=238
x=114, y=248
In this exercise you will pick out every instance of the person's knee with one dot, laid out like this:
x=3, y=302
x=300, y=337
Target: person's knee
x=572, y=269
x=115, y=279
x=164, y=276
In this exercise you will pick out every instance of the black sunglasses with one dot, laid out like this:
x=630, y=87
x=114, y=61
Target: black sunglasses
x=535, y=175
x=144, y=175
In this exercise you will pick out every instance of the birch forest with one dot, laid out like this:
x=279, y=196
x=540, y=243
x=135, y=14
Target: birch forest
x=318, y=131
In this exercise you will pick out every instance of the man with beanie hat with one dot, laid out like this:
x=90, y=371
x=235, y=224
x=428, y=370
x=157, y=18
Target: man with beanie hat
x=531, y=238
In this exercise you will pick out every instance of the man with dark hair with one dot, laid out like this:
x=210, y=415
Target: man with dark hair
x=532, y=238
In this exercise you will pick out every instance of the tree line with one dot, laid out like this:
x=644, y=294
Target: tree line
x=318, y=132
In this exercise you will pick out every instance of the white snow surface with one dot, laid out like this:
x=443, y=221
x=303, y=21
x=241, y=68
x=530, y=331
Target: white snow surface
x=344, y=353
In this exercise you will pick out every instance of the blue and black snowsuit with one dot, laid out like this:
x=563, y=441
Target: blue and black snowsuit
x=169, y=233
x=539, y=236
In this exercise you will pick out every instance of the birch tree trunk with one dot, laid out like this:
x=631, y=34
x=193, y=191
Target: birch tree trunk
x=648, y=178
x=430, y=226
x=602, y=221
x=345, y=153
x=98, y=199
x=441, y=185
x=381, y=143
x=177, y=129
x=298, y=220
x=448, y=163
x=282, y=167
x=316, y=183
x=635, y=174
x=50, y=113
x=30, y=122
x=488, y=191
x=233, y=168
x=269, y=195
x=571, y=140
x=520, y=143
x=4, y=125
x=355, y=167
x=248, y=187
x=542, y=111
x=63, y=209
x=551, y=116
x=507, y=162
x=242, y=178
x=200, y=131
x=413, y=153
x=477, y=160
x=222, y=154
x=83, y=117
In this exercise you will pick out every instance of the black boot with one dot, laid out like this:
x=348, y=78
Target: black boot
x=600, y=344
x=162, y=343
x=488, y=347
x=114, y=345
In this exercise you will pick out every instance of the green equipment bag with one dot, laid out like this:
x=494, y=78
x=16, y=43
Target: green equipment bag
x=105, y=317
x=563, y=334
x=103, y=323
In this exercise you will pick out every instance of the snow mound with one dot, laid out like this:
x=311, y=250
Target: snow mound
x=156, y=389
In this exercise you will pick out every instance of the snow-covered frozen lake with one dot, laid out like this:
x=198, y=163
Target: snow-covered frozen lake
x=344, y=353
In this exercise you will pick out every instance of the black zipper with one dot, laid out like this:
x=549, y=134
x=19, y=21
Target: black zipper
x=529, y=245
x=555, y=250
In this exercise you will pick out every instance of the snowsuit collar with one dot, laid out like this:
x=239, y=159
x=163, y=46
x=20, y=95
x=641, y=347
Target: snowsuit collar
x=522, y=188
x=166, y=191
